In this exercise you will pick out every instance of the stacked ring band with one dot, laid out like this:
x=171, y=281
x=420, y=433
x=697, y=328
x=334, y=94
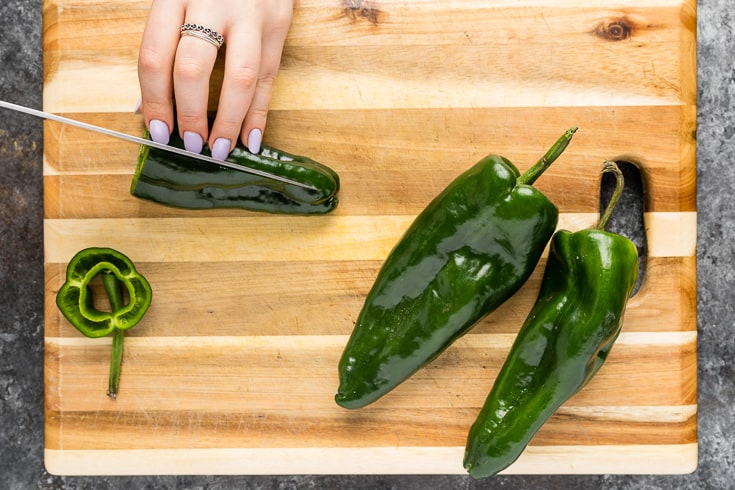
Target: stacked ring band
x=212, y=37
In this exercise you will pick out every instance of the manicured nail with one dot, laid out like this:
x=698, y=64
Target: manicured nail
x=159, y=131
x=137, y=106
x=254, y=139
x=193, y=142
x=221, y=148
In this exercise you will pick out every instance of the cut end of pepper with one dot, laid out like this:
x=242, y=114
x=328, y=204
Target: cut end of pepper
x=75, y=301
x=143, y=152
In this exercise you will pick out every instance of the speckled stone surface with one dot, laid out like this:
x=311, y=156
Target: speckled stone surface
x=21, y=288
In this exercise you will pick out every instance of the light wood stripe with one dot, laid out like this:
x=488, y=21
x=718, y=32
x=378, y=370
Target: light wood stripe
x=613, y=459
x=270, y=238
x=671, y=234
x=78, y=89
x=499, y=341
x=675, y=414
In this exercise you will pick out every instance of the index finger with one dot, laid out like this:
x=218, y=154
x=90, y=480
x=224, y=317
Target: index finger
x=156, y=60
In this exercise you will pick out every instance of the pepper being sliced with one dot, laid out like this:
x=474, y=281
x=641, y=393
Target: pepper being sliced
x=76, y=302
x=464, y=255
x=564, y=341
x=188, y=183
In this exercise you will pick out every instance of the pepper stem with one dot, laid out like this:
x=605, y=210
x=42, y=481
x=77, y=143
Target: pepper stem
x=611, y=166
x=112, y=286
x=533, y=173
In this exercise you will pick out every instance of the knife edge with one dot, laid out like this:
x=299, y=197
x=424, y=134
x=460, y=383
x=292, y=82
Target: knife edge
x=153, y=144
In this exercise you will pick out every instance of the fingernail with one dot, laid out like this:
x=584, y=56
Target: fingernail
x=193, y=142
x=220, y=148
x=254, y=139
x=137, y=106
x=159, y=131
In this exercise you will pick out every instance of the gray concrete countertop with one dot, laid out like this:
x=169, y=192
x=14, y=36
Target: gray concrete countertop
x=21, y=287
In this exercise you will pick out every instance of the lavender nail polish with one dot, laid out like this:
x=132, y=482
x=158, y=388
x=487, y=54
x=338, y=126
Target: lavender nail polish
x=221, y=148
x=193, y=142
x=254, y=139
x=159, y=131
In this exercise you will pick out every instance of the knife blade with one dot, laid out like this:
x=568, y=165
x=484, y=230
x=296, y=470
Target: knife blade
x=152, y=144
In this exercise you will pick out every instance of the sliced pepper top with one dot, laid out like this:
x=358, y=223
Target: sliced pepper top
x=75, y=298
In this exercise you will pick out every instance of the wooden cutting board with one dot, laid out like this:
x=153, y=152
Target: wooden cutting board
x=234, y=368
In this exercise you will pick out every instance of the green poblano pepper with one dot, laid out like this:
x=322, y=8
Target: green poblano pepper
x=564, y=341
x=464, y=255
x=187, y=183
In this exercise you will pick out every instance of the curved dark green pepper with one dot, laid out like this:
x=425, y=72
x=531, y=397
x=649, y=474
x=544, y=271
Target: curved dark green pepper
x=76, y=302
x=464, y=255
x=564, y=341
x=188, y=183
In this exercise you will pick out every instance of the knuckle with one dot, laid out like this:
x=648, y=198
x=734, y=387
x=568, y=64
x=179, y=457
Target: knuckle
x=189, y=70
x=157, y=106
x=188, y=119
x=258, y=114
x=267, y=80
x=149, y=61
x=279, y=22
x=228, y=125
x=283, y=14
x=244, y=77
x=284, y=19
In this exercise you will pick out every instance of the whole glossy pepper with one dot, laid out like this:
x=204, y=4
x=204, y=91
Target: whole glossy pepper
x=76, y=302
x=465, y=254
x=188, y=183
x=564, y=341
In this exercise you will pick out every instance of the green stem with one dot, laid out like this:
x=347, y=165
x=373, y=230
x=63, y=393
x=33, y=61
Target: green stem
x=611, y=166
x=533, y=173
x=112, y=286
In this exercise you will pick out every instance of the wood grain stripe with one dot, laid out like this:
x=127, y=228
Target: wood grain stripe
x=609, y=459
x=355, y=66
x=292, y=428
x=277, y=238
x=299, y=372
x=395, y=161
x=448, y=139
x=324, y=298
x=502, y=341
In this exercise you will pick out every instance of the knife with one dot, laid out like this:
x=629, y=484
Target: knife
x=152, y=144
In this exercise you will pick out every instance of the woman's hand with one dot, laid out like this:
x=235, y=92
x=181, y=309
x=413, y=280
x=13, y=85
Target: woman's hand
x=172, y=66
